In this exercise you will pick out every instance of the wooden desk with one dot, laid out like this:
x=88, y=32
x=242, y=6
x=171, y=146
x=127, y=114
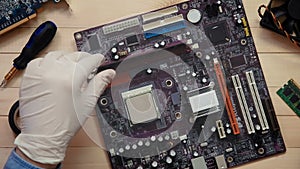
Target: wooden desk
x=279, y=58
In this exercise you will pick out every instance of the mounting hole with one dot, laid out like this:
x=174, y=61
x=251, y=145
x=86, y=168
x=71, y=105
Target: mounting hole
x=199, y=54
x=103, y=101
x=261, y=151
x=56, y=1
x=229, y=159
x=78, y=36
x=243, y=42
x=113, y=134
x=169, y=83
x=178, y=115
x=185, y=6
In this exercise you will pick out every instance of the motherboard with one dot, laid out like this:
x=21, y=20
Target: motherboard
x=189, y=91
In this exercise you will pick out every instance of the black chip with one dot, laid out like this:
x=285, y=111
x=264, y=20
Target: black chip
x=217, y=33
x=132, y=40
x=294, y=99
x=287, y=91
x=175, y=98
x=237, y=61
x=94, y=43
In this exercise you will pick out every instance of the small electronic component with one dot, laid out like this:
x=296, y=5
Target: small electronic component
x=218, y=33
x=237, y=61
x=220, y=128
x=290, y=94
x=199, y=162
x=132, y=40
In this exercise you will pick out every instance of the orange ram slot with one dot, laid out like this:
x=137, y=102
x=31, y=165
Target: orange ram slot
x=226, y=97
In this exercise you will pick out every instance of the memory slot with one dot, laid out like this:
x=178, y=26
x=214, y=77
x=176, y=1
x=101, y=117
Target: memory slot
x=160, y=13
x=226, y=97
x=164, y=26
x=243, y=103
x=119, y=26
x=257, y=101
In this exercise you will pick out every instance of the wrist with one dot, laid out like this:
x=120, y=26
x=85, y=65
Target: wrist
x=41, y=165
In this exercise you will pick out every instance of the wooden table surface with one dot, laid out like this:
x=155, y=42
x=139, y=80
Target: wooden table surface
x=279, y=58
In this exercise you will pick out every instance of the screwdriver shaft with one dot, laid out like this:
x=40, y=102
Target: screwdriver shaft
x=9, y=76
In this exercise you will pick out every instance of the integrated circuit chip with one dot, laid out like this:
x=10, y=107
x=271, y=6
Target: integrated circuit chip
x=132, y=40
x=237, y=61
x=217, y=33
x=94, y=43
x=141, y=105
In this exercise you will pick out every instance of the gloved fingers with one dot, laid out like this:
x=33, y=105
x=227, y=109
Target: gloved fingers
x=32, y=75
x=76, y=56
x=33, y=66
x=91, y=62
x=97, y=86
x=85, y=67
x=51, y=58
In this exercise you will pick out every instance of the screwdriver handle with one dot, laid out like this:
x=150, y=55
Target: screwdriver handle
x=39, y=39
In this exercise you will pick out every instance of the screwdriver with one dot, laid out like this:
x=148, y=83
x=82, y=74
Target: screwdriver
x=39, y=39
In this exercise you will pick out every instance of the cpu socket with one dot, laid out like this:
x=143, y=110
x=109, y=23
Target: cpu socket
x=140, y=105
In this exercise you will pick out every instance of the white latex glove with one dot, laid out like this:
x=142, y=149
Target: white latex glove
x=55, y=99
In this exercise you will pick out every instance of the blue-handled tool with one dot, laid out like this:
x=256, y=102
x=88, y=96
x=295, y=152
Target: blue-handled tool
x=40, y=38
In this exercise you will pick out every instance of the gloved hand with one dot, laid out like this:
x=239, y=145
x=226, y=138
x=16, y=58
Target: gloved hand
x=55, y=99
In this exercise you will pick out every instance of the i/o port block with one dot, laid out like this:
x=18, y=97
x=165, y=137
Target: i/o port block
x=257, y=101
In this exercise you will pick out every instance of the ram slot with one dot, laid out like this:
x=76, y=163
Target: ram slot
x=226, y=97
x=243, y=103
x=257, y=101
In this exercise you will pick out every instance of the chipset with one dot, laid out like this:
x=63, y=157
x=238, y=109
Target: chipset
x=140, y=105
x=237, y=61
x=218, y=33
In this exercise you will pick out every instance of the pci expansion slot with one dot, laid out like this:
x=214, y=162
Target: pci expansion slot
x=243, y=103
x=226, y=97
x=257, y=101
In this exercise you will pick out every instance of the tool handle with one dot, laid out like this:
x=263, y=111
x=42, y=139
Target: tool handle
x=39, y=39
